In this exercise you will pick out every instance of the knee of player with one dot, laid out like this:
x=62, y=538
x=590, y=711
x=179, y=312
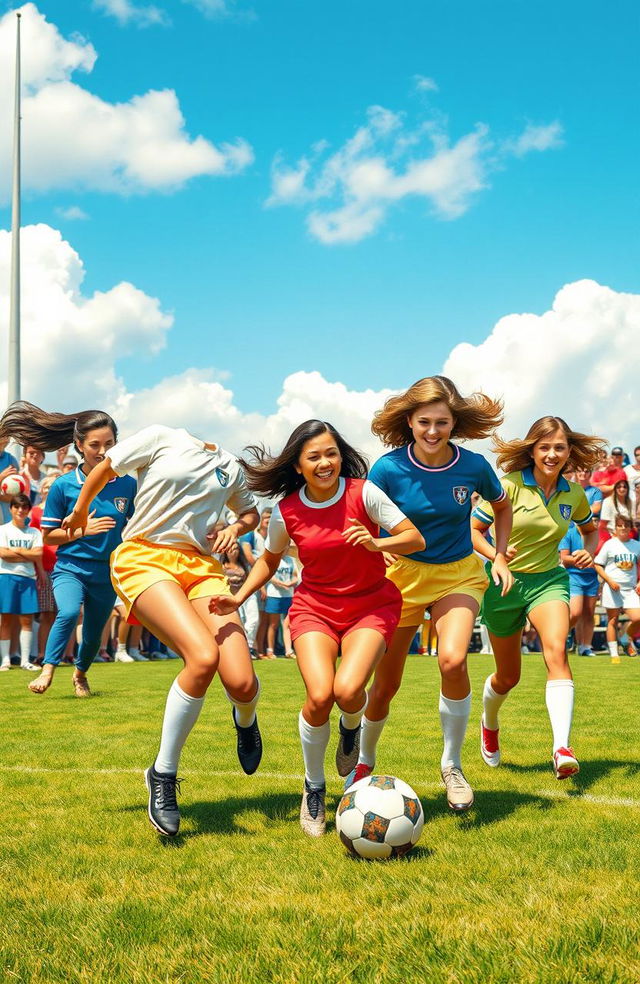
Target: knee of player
x=383, y=690
x=320, y=701
x=345, y=692
x=202, y=665
x=453, y=665
x=244, y=690
x=507, y=680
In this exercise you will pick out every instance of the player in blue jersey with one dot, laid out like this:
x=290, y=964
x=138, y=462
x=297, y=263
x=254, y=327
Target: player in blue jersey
x=432, y=480
x=583, y=589
x=81, y=577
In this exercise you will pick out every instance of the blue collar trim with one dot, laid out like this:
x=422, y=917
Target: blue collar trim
x=528, y=479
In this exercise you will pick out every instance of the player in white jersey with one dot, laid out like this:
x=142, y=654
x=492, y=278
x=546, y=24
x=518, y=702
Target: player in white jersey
x=618, y=564
x=165, y=575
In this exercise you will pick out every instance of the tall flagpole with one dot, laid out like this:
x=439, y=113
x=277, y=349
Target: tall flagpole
x=14, y=317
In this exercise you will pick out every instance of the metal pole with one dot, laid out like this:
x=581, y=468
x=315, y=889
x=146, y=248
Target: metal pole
x=14, y=317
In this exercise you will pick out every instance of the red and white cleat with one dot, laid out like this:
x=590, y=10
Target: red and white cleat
x=361, y=771
x=489, y=745
x=565, y=763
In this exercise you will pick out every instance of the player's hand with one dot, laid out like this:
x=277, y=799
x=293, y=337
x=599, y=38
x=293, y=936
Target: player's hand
x=389, y=559
x=10, y=470
x=263, y=594
x=614, y=585
x=75, y=523
x=582, y=559
x=223, y=605
x=222, y=541
x=97, y=525
x=359, y=536
x=638, y=588
x=511, y=553
x=501, y=574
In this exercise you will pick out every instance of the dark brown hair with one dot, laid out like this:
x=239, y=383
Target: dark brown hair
x=30, y=425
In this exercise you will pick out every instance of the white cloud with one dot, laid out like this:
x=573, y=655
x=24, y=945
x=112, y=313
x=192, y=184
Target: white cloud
x=74, y=139
x=126, y=12
x=349, y=192
x=572, y=360
x=424, y=84
x=536, y=138
x=72, y=213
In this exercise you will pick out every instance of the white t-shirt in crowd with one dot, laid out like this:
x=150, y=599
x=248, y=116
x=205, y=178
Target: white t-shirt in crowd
x=286, y=570
x=27, y=539
x=379, y=507
x=608, y=513
x=183, y=487
x=634, y=481
x=620, y=561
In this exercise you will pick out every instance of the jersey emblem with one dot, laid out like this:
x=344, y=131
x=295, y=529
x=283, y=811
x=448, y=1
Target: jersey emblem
x=121, y=504
x=222, y=476
x=565, y=511
x=460, y=494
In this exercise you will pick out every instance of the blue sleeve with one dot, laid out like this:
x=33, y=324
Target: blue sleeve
x=596, y=496
x=489, y=485
x=55, y=508
x=378, y=475
x=247, y=538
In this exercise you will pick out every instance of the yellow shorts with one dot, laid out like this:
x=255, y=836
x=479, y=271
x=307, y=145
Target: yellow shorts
x=423, y=584
x=137, y=564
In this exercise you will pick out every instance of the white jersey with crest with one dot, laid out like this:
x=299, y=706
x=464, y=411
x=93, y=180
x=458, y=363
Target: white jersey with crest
x=183, y=487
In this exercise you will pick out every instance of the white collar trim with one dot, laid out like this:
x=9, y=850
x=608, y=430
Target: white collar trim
x=306, y=501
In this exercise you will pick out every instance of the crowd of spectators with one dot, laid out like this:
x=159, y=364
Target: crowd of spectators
x=613, y=491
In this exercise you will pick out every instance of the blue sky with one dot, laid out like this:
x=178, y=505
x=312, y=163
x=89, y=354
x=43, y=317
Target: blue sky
x=253, y=292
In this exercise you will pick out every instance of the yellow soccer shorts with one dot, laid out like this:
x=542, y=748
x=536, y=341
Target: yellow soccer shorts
x=137, y=564
x=421, y=585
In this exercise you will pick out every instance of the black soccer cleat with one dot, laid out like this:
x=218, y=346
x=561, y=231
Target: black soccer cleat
x=163, y=806
x=249, y=745
x=348, y=749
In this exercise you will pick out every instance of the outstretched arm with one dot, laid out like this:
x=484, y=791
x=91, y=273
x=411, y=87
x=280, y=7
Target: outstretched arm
x=95, y=482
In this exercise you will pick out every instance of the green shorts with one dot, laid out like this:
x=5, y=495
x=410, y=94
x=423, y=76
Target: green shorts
x=505, y=616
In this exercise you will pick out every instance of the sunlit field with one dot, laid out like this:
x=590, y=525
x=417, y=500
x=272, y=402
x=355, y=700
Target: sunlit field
x=539, y=882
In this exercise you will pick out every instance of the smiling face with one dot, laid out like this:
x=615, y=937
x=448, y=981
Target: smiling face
x=319, y=464
x=95, y=445
x=33, y=457
x=621, y=490
x=550, y=454
x=431, y=425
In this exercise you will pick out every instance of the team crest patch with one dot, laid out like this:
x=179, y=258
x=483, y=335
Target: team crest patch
x=121, y=504
x=565, y=511
x=223, y=477
x=460, y=494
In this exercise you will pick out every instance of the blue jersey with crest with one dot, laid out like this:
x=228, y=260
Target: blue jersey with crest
x=88, y=554
x=437, y=500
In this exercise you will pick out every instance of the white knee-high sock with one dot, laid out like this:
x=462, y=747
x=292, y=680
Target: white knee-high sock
x=5, y=651
x=559, y=698
x=352, y=721
x=369, y=736
x=491, y=704
x=26, y=637
x=613, y=649
x=314, y=746
x=180, y=715
x=454, y=715
x=245, y=711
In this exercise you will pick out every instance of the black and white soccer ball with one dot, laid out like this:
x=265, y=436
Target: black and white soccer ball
x=379, y=817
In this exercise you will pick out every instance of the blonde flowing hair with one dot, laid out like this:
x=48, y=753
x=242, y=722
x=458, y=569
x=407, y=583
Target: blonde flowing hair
x=475, y=416
x=584, y=449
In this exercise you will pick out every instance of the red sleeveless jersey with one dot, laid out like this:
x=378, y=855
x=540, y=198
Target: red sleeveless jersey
x=330, y=565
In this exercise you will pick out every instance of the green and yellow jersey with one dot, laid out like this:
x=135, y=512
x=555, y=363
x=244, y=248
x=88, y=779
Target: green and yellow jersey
x=538, y=524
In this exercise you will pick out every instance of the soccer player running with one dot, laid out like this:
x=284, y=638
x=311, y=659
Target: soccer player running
x=544, y=503
x=432, y=480
x=81, y=575
x=165, y=575
x=344, y=604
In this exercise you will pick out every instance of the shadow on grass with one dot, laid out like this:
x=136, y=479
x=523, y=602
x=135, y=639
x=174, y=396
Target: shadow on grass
x=591, y=771
x=494, y=806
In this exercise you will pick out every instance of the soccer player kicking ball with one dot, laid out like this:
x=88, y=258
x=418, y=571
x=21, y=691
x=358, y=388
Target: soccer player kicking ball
x=617, y=563
x=544, y=503
x=165, y=575
x=344, y=604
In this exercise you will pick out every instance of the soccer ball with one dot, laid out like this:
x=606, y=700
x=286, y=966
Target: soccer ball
x=14, y=485
x=379, y=817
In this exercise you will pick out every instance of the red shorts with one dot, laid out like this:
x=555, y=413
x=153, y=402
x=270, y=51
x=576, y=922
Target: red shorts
x=338, y=615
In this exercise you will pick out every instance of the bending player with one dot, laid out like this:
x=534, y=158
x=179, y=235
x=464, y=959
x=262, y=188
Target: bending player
x=544, y=503
x=165, y=575
x=344, y=604
x=432, y=480
x=80, y=577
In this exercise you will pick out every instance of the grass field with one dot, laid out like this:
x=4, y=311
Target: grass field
x=539, y=882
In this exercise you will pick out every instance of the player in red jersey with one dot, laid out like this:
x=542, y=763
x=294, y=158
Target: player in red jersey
x=344, y=604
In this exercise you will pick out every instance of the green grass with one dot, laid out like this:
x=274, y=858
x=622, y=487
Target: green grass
x=539, y=883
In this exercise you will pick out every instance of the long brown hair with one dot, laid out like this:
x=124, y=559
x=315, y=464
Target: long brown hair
x=516, y=454
x=476, y=416
x=274, y=476
x=30, y=425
